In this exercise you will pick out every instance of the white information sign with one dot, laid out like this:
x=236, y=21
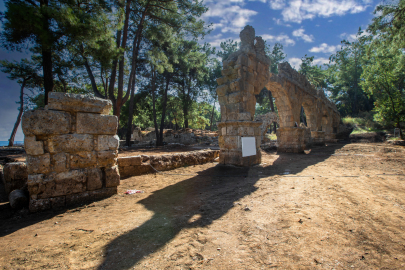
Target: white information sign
x=248, y=146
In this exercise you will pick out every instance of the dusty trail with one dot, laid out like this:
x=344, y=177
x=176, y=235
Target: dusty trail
x=340, y=206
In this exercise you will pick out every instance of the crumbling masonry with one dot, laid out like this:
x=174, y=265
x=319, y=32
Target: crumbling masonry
x=71, y=151
x=245, y=73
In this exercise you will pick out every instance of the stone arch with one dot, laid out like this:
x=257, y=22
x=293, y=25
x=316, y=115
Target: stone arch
x=245, y=73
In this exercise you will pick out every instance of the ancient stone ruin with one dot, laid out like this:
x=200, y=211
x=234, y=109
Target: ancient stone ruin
x=245, y=73
x=71, y=151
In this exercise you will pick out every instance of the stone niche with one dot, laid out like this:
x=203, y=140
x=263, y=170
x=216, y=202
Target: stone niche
x=72, y=150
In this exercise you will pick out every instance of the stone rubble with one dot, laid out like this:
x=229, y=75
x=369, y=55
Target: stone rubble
x=138, y=165
x=71, y=151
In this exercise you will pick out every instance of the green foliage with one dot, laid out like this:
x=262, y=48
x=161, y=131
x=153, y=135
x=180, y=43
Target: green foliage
x=314, y=74
x=227, y=48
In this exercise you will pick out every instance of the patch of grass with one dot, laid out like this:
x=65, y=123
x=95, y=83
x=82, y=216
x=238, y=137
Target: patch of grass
x=394, y=139
x=364, y=124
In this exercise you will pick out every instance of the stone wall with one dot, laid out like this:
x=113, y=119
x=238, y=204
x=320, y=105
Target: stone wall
x=138, y=165
x=71, y=151
x=267, y=120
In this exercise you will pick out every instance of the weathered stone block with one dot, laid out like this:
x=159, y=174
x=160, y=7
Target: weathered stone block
x=38, y=164
x=39, y=205
x=222, y=90
x=94, y=179
x=246, y=116
x=232, y=130
x=64, y=183
x=112, y=176
x=235, y=97
x=80, y=198
x=45, y=122
x=90, y=123
x=57, y=202
x=106, y=158
x=231, y=142
x=34, y=181
x=59, y=162
x=107, y=142
x=78, y=103
x=83, y=160
x=33, y=147
x=222, y=80
x=70, y=143
x=129, y=161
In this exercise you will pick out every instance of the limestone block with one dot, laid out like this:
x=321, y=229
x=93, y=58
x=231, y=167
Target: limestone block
x=222, y=80
x=106, y=158
x=94, y=179
x=248, y=88
x=45, y=122
x=229, y=71
x=242, y=60
x=70, y=143
x=222, y=90
x=33, y=183
x=83, y=160
x=135, y=170
x=90, y=123
x=129, y=161
x=223, y=99
x=57, y=202
x=233, y=108
x=231, y=142
x=232, y=116
x=39, y=205
x=232, y=130
x=112, y=176
x=102, y=193
x=38, y=164
x=235, y=86
x=59, y=162
x=15, y=176
x=246, y=116
x=221, y=141
x=78, y=103
x=235, y=97
x=80, y=198
x=33, y=147
x=107, y=142
x=64, y=183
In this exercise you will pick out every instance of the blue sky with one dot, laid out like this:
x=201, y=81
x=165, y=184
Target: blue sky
x=312, y=27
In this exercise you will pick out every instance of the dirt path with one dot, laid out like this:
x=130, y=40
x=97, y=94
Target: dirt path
x=338, y=207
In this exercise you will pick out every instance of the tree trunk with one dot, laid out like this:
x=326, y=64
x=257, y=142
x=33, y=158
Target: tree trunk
x=162, y=121
x=272, y=109
x=46, y=55
x=153, y=82
x=131, y=84
x=212, y=115
x=17, y=123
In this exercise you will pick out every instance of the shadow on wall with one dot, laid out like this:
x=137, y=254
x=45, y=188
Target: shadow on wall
x=209, y=196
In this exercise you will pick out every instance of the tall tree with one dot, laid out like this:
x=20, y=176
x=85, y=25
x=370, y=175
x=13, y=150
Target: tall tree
x=26, y=74
x=50, y=25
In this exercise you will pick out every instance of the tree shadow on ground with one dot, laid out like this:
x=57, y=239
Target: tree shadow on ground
x=205, y=197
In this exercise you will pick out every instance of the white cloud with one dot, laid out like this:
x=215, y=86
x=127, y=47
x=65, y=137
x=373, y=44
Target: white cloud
x=325, y=48
x=279, y=22
x=232, y=16
x=282, y=38
x=295, y=62
x=277, y=4
x=320, y=61
x=352, y=37
x=217, y=42
x=299, y=10
x=300, y=33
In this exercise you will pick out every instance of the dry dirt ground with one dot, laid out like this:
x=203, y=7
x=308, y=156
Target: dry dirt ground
x=337, y=207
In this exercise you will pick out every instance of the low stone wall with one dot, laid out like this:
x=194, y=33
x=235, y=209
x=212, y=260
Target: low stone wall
x=138, y=165
x=71, y=151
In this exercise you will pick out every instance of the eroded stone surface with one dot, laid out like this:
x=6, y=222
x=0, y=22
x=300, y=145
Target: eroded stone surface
x=45, y=122
x=112, y=176
x=32, y=146
x=15, y=176
x=107, y=142
x=90, y=123
x=70, y=143
x=78, y=103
